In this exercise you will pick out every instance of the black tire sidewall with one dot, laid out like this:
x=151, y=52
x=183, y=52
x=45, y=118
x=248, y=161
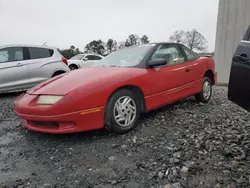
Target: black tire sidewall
x=110, y=123
x=73, y=66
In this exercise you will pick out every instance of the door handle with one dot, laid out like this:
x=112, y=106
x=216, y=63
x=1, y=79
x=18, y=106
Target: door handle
x=19, y=64
x=188, y=70
x=242, y=58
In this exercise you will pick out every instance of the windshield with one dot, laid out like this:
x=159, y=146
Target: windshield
x=77, y=57
x=126, y=57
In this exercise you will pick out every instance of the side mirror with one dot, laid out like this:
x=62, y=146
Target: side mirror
x=157, y=62
x=85, y=59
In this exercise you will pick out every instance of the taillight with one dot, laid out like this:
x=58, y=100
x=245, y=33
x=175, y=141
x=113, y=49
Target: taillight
x=65, y=60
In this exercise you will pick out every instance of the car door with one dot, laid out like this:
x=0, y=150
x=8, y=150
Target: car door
x=239, y=80
x=168, y=82
x=193, y=65
x=39, y=58
x=14, y=74
x=91, y=59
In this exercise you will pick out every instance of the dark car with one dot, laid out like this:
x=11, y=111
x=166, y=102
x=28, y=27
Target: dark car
x=239, y=81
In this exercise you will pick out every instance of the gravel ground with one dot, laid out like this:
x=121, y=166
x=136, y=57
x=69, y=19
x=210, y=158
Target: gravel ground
x=182, y=145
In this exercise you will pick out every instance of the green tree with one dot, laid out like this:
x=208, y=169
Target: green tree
x=132, y=40
x=70, y=52
x=96, y=46
x=144, y=39
x=111, y=45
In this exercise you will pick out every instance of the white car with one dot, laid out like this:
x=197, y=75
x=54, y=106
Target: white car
x=80, y=60
x=24, y=66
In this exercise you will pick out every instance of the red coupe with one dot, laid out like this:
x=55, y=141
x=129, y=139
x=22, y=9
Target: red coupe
x=113, y=92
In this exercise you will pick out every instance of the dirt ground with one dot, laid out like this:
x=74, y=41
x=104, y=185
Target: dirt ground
x=183, y=145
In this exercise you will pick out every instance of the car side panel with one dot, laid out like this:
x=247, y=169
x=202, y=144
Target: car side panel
x=165, y=81
x=196, y=68
x=199, y=68
x=44, y=68
x=239, y=81
x=88, y=62
x=96, y=94
x=14, y=76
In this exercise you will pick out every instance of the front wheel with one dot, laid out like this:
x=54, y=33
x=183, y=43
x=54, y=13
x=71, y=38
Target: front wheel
x=122, y=112
x=73, y=67
x=206, y=92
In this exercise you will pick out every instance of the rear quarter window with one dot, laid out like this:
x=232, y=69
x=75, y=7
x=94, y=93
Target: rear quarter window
x=247, y=35
x=38, y=53
x=189, y=53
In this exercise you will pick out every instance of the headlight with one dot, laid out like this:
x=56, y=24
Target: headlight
x=48, y=99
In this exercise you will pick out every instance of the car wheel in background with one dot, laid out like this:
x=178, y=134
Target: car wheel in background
x=206, y=92
x=58, y=73
x=122, y=112
x=73, y=67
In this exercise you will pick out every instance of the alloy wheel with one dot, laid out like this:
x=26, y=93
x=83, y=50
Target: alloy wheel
x=125, y=111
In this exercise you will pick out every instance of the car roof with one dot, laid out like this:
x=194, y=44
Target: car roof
x=163, y=43
x=27, y=45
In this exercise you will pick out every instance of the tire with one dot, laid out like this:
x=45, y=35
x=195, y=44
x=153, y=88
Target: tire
x=205, y=95
x=73, y=67
x=115, y=124
x=58, y=73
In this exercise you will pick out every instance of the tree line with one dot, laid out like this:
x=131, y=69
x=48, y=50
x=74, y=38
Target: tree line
x=192, y=39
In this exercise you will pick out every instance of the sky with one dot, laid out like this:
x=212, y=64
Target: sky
x=63, y=23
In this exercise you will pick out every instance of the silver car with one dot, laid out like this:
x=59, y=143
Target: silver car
x=23, y=66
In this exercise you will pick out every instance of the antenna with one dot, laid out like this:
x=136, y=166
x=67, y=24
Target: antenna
x=45, y=43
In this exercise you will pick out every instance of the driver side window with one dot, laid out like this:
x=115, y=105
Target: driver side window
x=92, y=57
x=11, y=54
x=171, y=53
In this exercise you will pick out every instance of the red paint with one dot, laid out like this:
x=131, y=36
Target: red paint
x=90, y=88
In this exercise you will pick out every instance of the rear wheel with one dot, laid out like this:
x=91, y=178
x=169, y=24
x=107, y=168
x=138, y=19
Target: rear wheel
x=57, y=73
x=73, y=67
x=206, y=92
x=122, y=112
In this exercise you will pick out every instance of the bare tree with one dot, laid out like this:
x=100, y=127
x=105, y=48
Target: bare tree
x=178, y=36
x=195, y=40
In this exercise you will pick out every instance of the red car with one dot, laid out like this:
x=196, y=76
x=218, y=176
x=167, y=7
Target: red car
x=113, y=92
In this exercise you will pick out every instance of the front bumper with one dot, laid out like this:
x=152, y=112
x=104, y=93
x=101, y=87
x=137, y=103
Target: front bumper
x=61, y=117
x=65, y=123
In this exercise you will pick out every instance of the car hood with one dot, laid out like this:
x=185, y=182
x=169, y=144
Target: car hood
x=65, y=83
